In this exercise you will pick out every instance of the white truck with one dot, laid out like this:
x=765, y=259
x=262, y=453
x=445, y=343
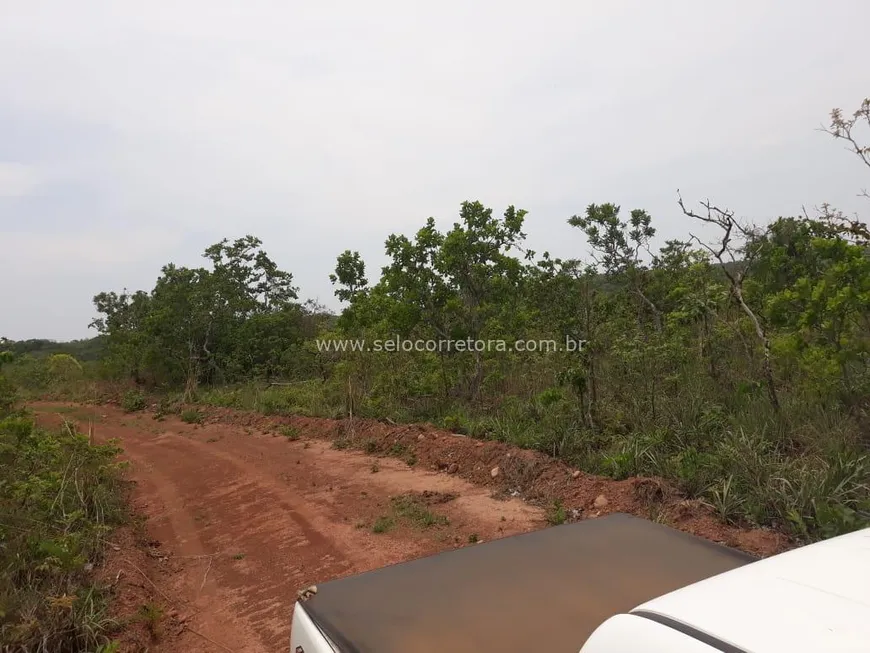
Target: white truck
x=616, y=584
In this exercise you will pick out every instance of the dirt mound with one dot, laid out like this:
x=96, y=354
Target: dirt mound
x=510, y=471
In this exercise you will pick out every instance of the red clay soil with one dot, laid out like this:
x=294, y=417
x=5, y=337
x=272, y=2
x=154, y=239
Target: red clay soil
x=536, y=477
x=240, y=517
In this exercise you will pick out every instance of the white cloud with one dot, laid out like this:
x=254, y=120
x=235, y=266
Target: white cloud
x=17, y=179
x=69, y=252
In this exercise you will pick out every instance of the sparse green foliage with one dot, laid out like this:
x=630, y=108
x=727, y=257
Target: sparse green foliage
x=8, y=395
x=151, y=614
x=383, y=524
x=290, y=432
x=725, y=500
x=557, y=514
x=350, y=271
x=411, y=509
x=191, y=416
x=59, y=498
x=6, y=357
x=133, y=401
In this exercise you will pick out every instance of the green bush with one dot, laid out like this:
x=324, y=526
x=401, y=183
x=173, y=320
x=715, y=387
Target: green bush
x=60, y=497
x=383, y=524
x=133, y=401
x=411, y=509
x=191, y=416
x=8, y=395
x=557, y=514
x=455, y=423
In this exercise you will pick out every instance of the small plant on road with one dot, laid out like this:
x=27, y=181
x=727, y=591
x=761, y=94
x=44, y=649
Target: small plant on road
x=191, y=416
x=383, y=524
x=414, y=511
x=151, y=615
x=557, y=514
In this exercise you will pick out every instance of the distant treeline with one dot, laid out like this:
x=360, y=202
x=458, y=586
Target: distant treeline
x=86, y=349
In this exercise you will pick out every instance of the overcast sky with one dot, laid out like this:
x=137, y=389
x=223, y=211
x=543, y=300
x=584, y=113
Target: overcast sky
x=137, y=133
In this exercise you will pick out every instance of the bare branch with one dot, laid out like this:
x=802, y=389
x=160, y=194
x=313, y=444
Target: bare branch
x=727, y=223
x=857, y=229
x=842, y=129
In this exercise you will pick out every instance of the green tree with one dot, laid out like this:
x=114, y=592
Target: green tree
x=236, y=319
x=456, y=285
x=350, y=276
x=123, y=325
x=617, y=246
x=815, y=288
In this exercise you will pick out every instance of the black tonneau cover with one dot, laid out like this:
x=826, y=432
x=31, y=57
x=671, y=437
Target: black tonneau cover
x=544, y=591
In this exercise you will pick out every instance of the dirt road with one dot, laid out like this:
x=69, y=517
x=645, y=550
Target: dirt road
x=239, y=519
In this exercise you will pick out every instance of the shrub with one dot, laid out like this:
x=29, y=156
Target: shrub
x=133, y=401
x=289, y=432
x=53, y=530
x=409, y=508
x=455, y=423
x=8, y=396
x=383, y=524
x=191, y=416
x=557, y=514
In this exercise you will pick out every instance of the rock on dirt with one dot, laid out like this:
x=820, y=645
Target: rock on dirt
x=601, y=502
x=307, y=593
x=494, y=471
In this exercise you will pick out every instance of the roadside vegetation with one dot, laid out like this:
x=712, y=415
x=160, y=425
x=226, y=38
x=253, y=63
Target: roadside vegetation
x=412, y=510
x=734, y=362
x=60, y=498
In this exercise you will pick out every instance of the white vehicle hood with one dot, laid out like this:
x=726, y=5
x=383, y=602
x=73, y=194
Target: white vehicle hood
x=813, y=599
